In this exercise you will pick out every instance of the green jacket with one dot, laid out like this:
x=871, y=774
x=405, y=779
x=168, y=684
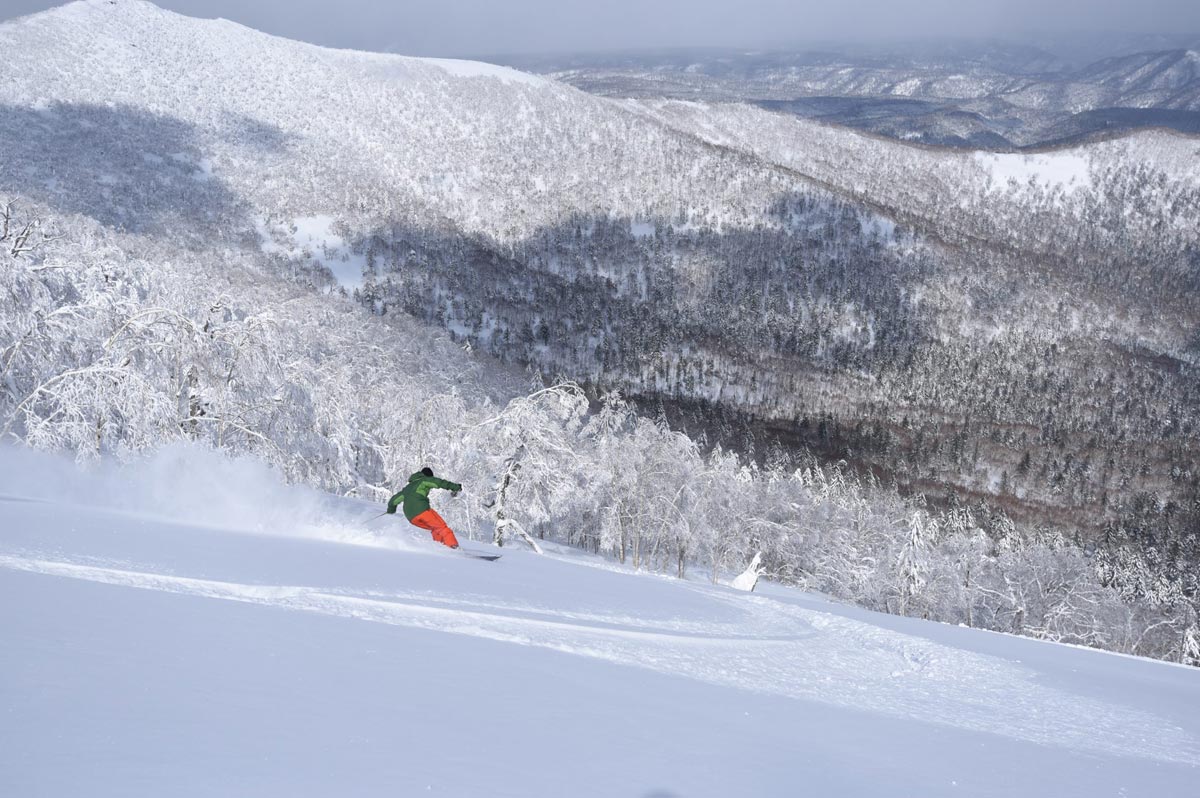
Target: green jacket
x=415, y=495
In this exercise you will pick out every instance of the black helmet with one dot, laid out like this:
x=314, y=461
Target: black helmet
x=427, y=471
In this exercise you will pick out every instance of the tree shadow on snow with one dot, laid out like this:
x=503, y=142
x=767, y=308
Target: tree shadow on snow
x=611, y=295
x=125, y=167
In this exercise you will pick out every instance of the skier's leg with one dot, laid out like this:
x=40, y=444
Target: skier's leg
x=422, y=520
x=437, y=527
x=442, y=532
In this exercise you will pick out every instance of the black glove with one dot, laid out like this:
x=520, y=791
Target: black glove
x=391, y=510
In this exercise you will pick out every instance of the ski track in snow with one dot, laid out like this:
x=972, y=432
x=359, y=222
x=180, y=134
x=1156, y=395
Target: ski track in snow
x=775, y=649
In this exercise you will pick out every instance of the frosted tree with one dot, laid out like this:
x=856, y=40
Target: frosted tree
x=1189, y=653
x=614, y=476
x=19, y=238
x=533, y=437
x=503, y=519
x=912, y=565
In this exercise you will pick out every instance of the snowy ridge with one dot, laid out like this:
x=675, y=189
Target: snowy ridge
x=480, y=69
x=301, y=131
x=814, y=675
x=820, y=150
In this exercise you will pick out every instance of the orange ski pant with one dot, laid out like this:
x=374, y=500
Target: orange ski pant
x=437, y=527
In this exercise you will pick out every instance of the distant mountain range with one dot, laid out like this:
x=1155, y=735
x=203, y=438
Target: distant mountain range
x=991, y=95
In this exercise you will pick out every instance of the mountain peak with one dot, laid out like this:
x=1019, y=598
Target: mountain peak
x=119, y=20
x=83, y=8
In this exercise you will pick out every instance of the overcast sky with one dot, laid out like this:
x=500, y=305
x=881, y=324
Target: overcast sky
x=480, y=27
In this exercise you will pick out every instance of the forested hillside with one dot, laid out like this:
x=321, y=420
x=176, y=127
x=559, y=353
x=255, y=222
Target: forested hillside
x=1061, y=367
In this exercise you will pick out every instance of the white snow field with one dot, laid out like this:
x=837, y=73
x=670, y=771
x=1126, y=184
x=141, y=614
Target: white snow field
x=189, y=626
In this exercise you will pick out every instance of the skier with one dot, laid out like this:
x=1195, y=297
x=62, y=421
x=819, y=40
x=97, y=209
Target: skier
x=415, y=497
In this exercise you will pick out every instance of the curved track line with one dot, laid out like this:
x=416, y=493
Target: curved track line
x=840, y=662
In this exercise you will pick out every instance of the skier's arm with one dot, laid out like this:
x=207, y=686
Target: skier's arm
x=446, y=484
x=394, y=502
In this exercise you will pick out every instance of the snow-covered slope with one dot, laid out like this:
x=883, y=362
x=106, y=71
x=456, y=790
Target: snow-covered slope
x=883, y=170
x=189, y=626
x=294, y=130
x=1169, y=79
x=984, y=197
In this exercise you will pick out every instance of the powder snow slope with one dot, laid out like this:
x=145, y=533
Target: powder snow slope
x=188, y=626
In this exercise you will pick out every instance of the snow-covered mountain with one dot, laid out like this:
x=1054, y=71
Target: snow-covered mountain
x=939, y=186
x=191, y=626
x=293, y=130
x=1168, y=79
x=965, y=94
x=710, y=256
x=333, y=260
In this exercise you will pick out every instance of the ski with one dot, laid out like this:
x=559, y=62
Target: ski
x=480, y=555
